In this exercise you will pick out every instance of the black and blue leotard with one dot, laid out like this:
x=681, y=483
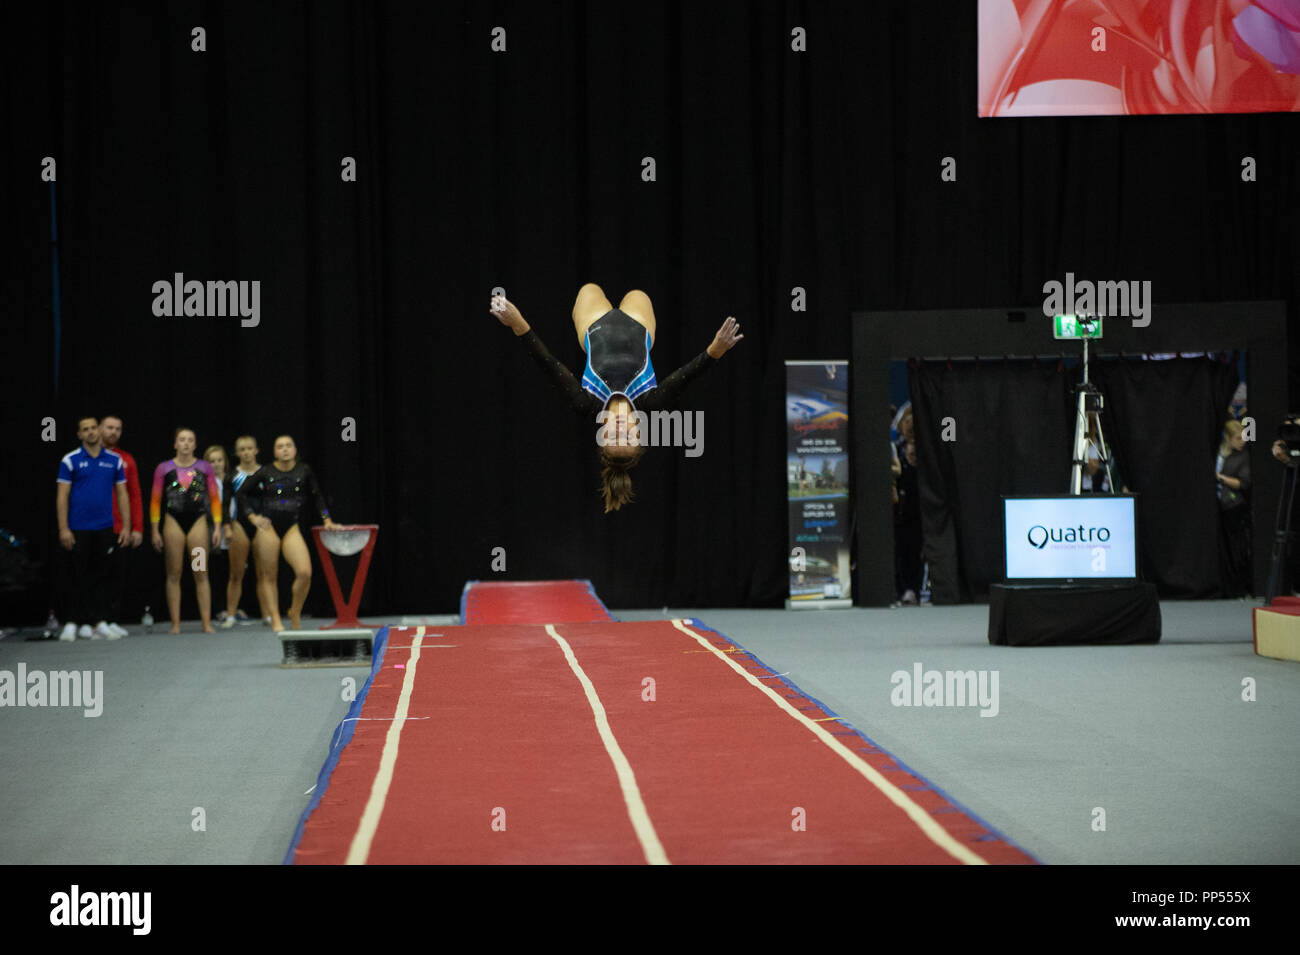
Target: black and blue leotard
x=618, y=363
x=618, y=357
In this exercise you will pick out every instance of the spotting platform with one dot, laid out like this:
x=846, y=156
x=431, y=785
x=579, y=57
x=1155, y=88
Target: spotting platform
x=1276, y=629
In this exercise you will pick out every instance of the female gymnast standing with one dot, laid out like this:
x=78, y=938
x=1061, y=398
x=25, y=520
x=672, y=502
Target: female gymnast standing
x=215, y=455
x=274, y=499
x=240, y=532
x=184, y=495
x=619, y=379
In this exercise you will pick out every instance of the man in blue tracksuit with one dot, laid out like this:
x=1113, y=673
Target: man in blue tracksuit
x=89, y=478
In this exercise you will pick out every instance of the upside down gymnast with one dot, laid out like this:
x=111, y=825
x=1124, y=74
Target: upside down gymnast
x=619, y=378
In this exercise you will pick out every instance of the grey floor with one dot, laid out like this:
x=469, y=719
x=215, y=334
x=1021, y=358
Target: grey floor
x=206, y=750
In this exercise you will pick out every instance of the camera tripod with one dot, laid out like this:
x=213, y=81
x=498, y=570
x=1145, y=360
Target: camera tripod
x=1087, y=420
x=1282, y=534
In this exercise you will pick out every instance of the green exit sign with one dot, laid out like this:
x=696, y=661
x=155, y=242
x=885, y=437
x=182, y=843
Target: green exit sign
x=1070, y=326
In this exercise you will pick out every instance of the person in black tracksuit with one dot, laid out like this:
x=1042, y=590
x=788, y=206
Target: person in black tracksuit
x=908, y=563
x=1233, y=478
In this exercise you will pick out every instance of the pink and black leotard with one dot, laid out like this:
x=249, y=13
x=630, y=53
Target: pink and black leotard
x=187, y=493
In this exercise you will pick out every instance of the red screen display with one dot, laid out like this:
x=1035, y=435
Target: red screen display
x=1130, y=57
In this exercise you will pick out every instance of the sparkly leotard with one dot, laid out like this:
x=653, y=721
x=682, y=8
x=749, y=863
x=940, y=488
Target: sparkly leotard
x=281, y=495
x=186, y=493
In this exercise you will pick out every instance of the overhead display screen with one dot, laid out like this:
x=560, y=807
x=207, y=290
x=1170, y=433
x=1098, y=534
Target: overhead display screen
x=1134, y=57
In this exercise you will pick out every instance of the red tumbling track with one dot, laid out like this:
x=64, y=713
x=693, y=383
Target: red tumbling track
x=531, y=601
x=500, y=760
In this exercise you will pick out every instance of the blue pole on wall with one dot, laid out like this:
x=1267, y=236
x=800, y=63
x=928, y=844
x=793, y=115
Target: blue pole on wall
x=58, y=314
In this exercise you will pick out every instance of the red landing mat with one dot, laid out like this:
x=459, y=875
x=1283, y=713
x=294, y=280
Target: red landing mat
x=530, y=601
x=616, y=743
x=1289, y=605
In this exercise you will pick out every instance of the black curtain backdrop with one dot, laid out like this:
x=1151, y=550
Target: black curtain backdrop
x=1165, y=420
x=775, y=170
x=1016, y=426
x=1018, y=421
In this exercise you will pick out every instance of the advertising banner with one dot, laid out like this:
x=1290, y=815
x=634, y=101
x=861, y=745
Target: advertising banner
x=817, y=482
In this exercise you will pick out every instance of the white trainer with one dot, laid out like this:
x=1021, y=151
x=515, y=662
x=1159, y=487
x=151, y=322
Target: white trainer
x=86, y=631
x=102, y=632
x=119, y=630
x=69, y=632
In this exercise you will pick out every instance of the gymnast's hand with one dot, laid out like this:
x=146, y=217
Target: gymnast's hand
x=508, y=315
x=726, y=338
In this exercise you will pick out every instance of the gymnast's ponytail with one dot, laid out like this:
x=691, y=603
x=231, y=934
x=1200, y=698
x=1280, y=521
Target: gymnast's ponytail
x=615, y=482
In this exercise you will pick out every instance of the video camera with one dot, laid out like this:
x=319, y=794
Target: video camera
x=1288, y=432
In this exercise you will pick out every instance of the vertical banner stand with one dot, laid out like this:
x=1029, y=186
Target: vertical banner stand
x=817, y=482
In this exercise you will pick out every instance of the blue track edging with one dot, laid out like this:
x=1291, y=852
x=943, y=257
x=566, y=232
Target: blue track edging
x=342, y=735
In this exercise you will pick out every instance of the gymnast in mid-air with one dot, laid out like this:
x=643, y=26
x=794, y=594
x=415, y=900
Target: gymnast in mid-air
x=619, y=378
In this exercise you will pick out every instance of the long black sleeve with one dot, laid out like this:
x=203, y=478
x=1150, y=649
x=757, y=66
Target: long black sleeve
x=312, y=487
x=578, y=400
x=227, y=499
x=1237, y=465
x=669, y=390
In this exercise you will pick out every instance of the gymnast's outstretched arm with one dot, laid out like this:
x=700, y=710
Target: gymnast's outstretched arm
x=577, y=399
x=670, y=389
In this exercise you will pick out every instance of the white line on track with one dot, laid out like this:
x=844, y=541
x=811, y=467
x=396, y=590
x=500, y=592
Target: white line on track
x=365, y=833
x=636, y=811
x=939, y=835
